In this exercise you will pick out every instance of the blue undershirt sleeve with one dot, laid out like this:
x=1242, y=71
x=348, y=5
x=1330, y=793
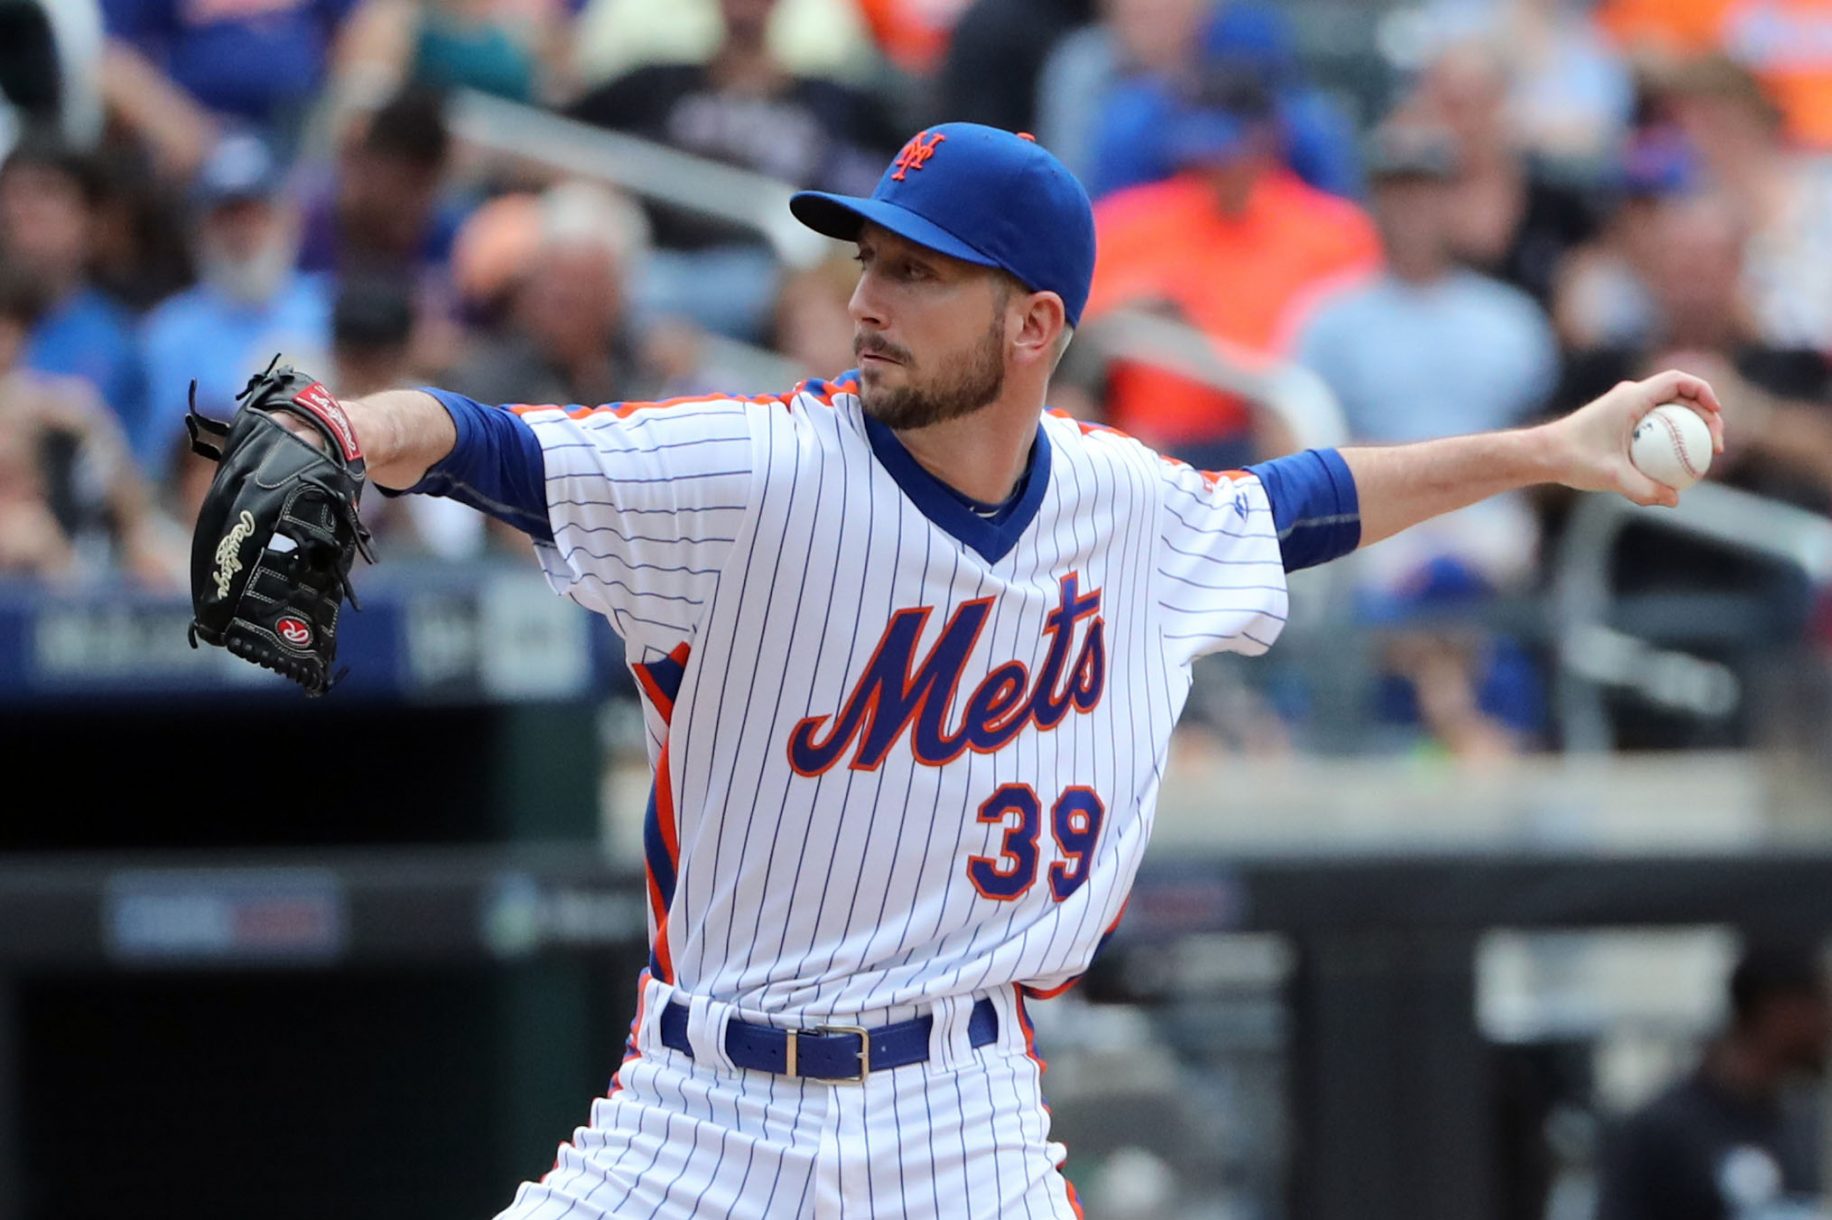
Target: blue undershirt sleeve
x=1315, y=506
x=496, y=466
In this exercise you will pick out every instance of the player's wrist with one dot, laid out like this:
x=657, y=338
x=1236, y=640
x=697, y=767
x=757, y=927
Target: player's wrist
x=403, y=434
x=1543, y=454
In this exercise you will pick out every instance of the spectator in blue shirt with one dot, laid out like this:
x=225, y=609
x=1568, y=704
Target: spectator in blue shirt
x=1428, y=348
x=249, y=303
x=49, y=197
x=173, y=66
x=1317, y=137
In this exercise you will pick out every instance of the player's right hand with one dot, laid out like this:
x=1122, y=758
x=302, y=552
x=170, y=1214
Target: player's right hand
x=1589, y=449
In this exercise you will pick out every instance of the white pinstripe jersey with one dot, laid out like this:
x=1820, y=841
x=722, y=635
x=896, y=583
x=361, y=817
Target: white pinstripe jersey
x=900, y=753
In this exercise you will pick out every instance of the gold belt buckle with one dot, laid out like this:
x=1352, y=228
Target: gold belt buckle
x=793, y=1067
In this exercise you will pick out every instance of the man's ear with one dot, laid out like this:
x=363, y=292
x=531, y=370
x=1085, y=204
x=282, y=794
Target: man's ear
x=1041, y=321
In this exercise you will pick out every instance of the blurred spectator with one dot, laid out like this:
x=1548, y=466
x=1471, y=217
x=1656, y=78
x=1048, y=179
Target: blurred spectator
x=743, y=108
x=1134, y=40
x=249, y=303
x=1784, y=196
x=996, y=56
x=490, y=252
x=517, y=49
x=372, y=327
x=1570, y=94
x=175, y=69
x=1228, y=245
x=50, y=198
x=1512, y=220
x=814, y=320
x=1316, y=139
x=1778, y=398
x=913, y=34
x=382, y=211
x=71, y=502
x=1426, y=348
x=567, y=338
x=1735, y=1140
x=810, y=37
x=1787, y=43
x=140, y=249
x=1600, y=294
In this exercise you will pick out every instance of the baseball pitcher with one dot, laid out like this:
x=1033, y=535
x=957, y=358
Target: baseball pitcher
x=911, y=649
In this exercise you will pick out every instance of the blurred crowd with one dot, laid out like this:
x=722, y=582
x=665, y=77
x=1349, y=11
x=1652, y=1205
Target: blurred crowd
x=1458, y=214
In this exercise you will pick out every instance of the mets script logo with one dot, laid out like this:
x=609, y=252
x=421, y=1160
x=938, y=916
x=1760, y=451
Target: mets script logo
x=917, y=152
x=228, y=552
x=896, y=691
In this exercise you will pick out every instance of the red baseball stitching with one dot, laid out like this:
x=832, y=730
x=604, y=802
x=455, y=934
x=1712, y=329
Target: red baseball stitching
x=1679, y=446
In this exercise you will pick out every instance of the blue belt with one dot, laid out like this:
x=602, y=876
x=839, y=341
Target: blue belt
x=840, y=1053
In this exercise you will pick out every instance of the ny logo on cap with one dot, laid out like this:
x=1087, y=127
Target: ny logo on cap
x=917, y=152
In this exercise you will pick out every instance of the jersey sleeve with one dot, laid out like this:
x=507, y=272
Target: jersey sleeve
x=645, y=501
x=633, y=507
x=1220, y=577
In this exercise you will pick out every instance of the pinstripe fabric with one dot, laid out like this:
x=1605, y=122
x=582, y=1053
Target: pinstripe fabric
x=896, y=770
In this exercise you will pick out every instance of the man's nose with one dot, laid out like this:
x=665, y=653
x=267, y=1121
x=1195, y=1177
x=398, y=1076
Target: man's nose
x=865, y=307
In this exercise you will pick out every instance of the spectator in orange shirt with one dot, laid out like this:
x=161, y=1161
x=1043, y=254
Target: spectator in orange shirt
x=913, y=34
x=1227, y=245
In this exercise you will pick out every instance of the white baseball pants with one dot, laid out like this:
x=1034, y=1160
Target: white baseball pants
x=963, y=1136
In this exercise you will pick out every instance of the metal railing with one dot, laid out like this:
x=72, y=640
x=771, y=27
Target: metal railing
x=1293, y=395
x=750, y=201
x=1595, y=656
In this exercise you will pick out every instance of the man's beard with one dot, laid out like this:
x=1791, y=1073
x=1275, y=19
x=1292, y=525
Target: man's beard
x=974, y=383
x=253, y=280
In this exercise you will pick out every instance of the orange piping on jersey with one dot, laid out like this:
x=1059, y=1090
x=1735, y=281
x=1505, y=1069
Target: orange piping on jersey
x=1087, y=429
x=1211, y=477
x=1030, y=1050
x=848, y=386
x=622, y=410
x=1029, y=1031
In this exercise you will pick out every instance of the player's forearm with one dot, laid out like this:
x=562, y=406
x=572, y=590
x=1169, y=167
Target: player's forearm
x=1402, y=485
x=403, y=433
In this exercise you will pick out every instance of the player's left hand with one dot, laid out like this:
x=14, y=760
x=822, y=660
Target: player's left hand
x=1589, y=449
x=278, y=531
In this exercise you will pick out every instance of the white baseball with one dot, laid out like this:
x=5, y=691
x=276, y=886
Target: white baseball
x=1672, y=445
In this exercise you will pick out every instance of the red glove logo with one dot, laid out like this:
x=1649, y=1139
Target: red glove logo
x=295, y=631
x=316, y=399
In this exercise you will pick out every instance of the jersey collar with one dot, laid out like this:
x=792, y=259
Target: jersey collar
x=993, y=540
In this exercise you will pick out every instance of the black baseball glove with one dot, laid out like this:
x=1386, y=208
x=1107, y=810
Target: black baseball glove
x=278, y=530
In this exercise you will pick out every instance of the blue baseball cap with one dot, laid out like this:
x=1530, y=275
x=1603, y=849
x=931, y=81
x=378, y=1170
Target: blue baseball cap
x=1216, y=115
x=240, y=167
x=983, y=196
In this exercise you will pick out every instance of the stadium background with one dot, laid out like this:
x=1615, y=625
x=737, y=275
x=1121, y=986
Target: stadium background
x=1440, y=888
